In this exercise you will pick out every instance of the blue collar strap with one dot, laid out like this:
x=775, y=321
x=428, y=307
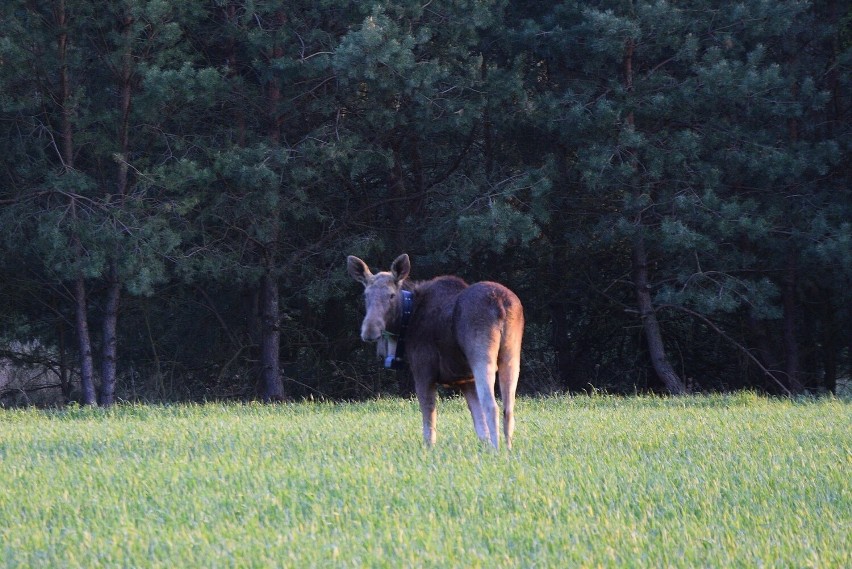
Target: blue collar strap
x=397, y=361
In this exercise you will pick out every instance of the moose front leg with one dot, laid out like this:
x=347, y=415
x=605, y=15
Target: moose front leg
x=426, y=396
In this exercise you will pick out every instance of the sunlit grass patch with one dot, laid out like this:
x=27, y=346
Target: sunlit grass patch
x=719, y=481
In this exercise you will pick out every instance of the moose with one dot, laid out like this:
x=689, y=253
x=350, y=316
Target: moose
x=449, y=333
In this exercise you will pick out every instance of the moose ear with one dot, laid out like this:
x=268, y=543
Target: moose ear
x=358, y=269
x=401, y=267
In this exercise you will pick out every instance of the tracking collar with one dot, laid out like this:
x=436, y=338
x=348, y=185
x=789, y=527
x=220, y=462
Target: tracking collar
x=397, y=361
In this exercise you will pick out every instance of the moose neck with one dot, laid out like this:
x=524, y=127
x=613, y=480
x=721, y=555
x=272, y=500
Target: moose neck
x=396, y=360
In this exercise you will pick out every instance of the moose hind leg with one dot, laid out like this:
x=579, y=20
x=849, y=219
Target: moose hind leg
x=469, y=391
x=509, y=371
x=484, y=374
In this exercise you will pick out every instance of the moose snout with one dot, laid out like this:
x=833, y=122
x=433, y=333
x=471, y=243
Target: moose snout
x=371, y=330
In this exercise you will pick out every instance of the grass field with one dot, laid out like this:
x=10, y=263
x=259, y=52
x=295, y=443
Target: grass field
x=718, y=481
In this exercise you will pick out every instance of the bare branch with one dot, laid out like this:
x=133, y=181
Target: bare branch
x=721, y=333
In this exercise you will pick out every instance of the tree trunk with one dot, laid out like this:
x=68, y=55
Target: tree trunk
x=830, y=332
x=400, y=205
x=651, y=326
x=233, y=65
x=87, y=367
x=64, y=372
x=791, y=344
x=566, y=353
x=110, y=342
x=487, y=132
x=273, y=389
x=109, y=352
x=270, y=341
x=64, y=87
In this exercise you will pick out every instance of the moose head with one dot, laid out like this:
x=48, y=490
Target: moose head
x=382, y=293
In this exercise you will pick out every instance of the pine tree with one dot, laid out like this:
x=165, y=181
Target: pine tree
x=683, y=122
x=80, y=206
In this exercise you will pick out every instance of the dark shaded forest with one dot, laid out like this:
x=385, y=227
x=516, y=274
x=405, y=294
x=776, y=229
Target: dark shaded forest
x=665, y=184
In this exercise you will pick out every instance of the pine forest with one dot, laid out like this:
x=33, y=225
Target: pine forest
x=666, y=184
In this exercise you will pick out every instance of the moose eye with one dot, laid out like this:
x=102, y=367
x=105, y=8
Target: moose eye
x=392, y=295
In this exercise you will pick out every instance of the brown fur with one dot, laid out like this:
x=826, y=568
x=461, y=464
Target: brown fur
x=461, y=335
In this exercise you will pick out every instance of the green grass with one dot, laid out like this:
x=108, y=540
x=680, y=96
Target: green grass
x=721, y=481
